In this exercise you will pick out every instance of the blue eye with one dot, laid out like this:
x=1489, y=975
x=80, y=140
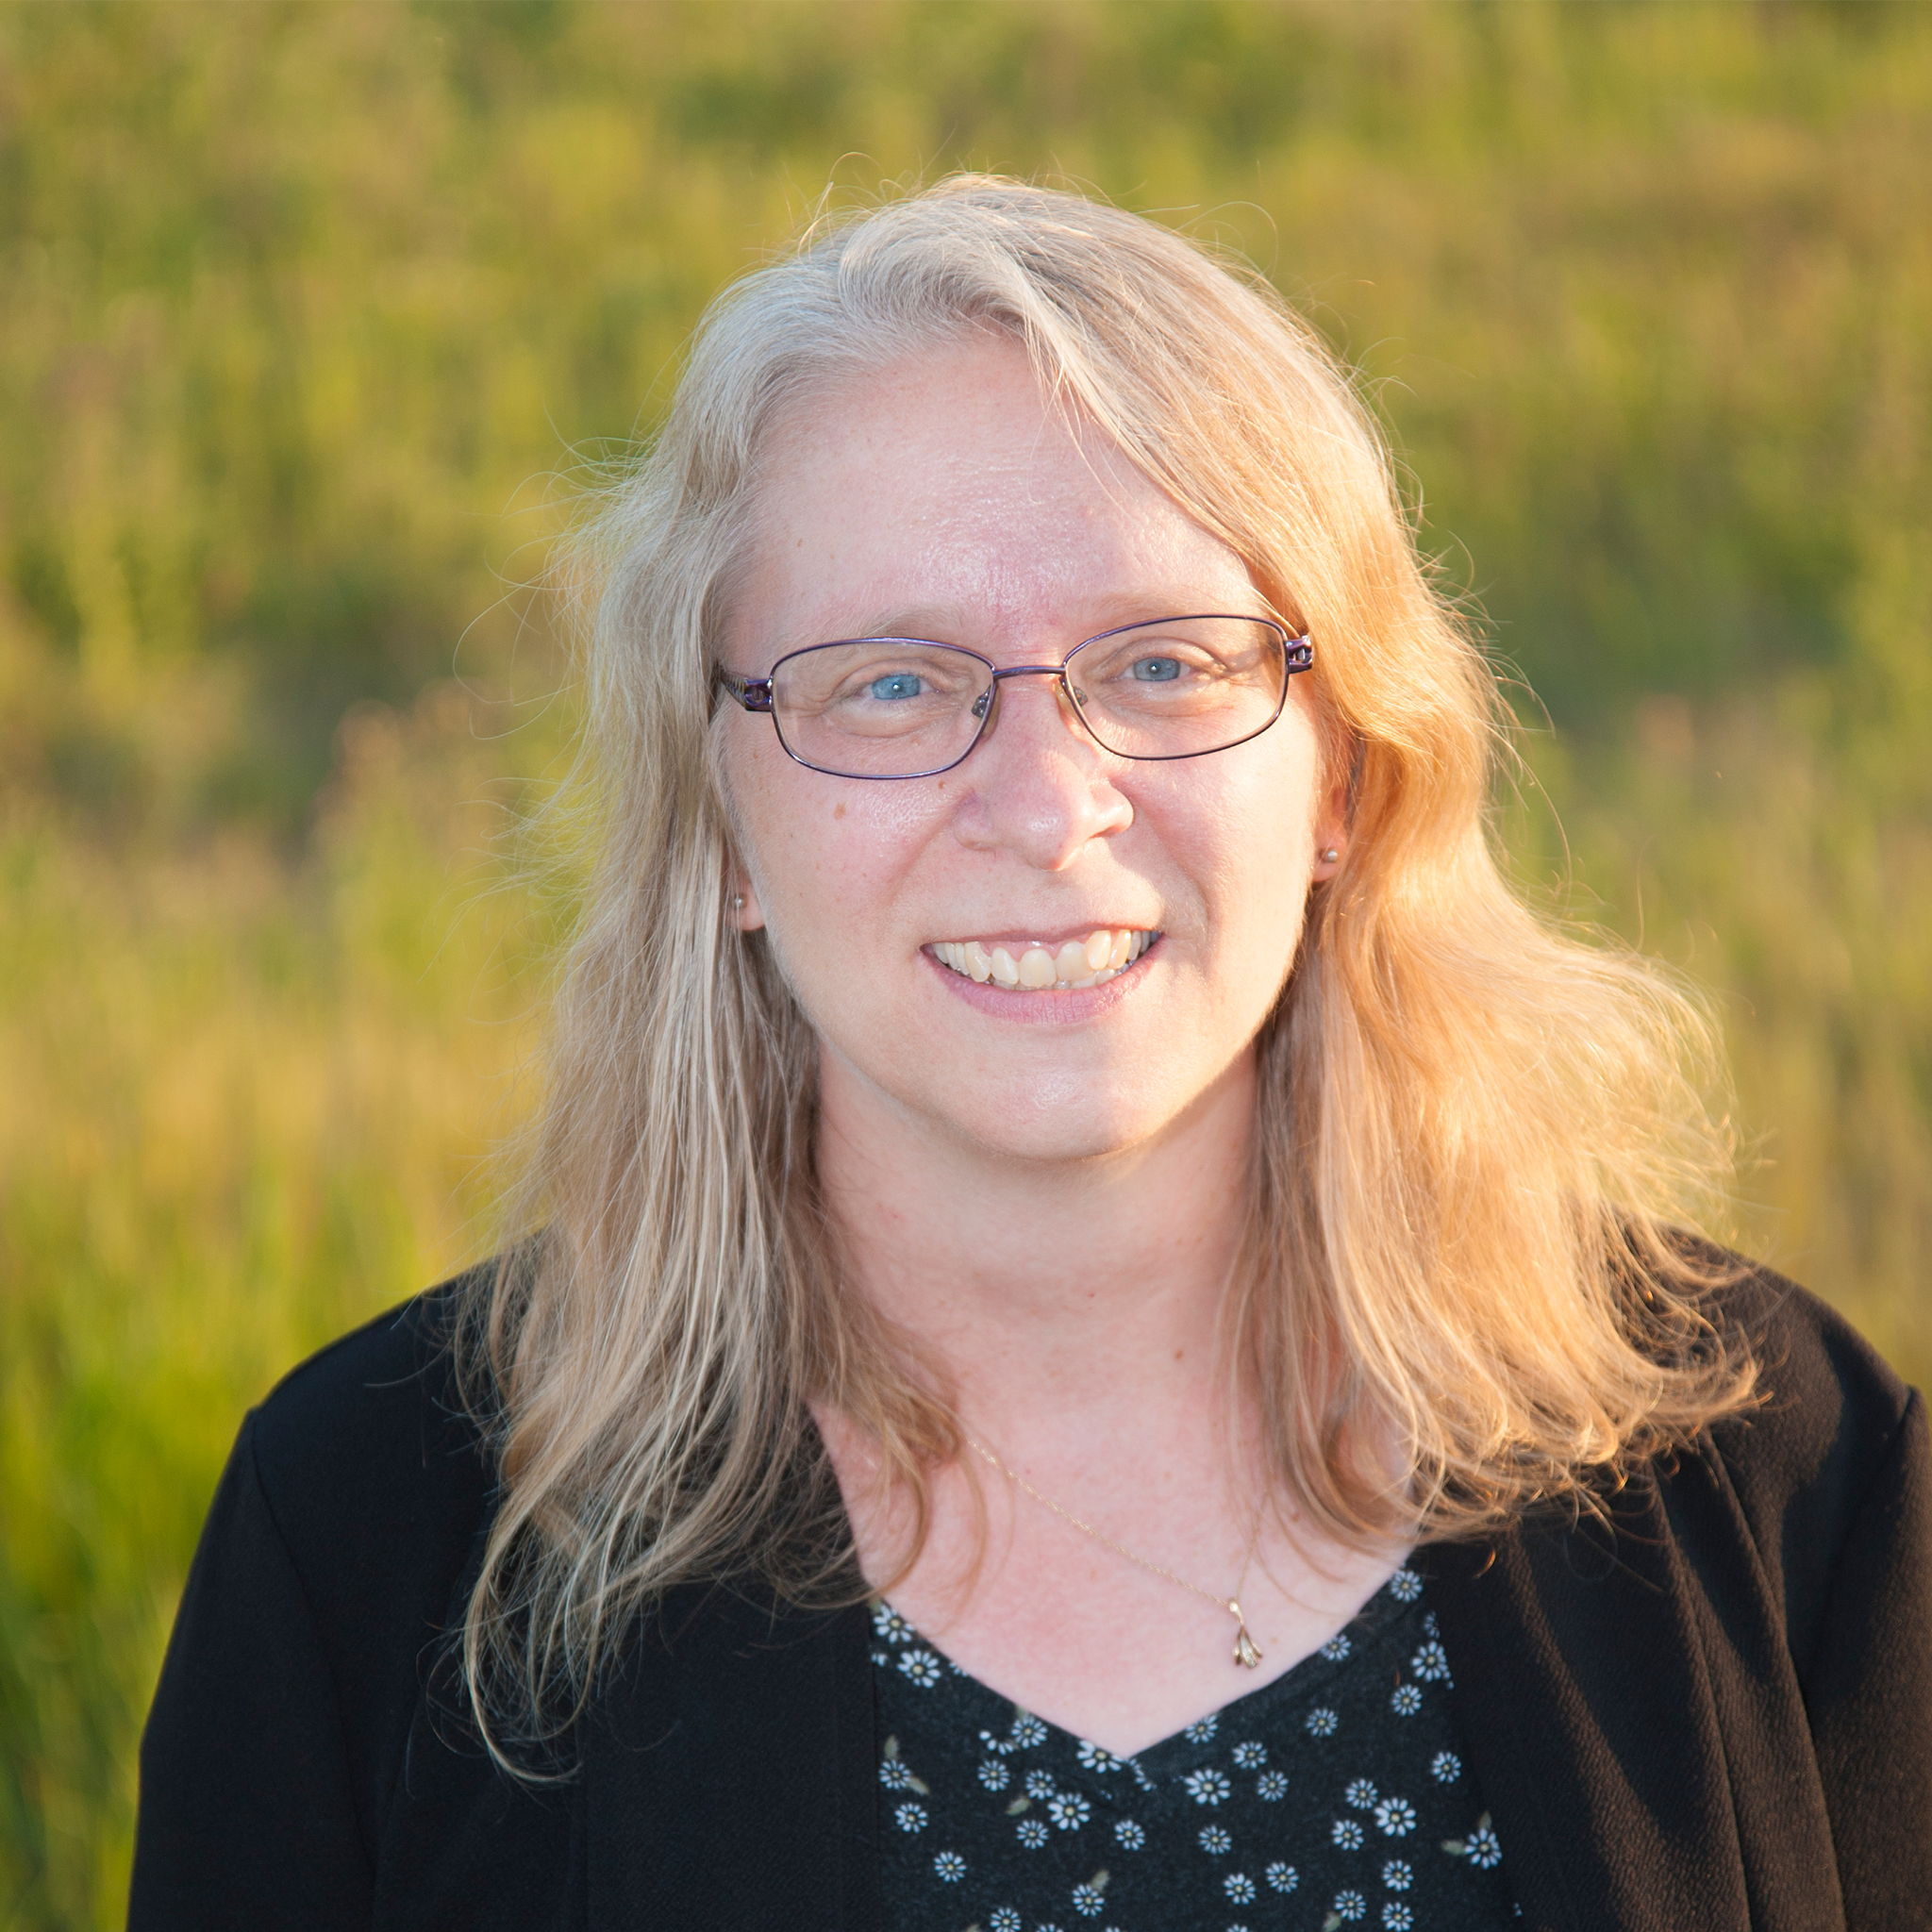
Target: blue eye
x=1156, y=670
x=899, y=685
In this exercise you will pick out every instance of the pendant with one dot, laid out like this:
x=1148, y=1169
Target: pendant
x=1244, y=1652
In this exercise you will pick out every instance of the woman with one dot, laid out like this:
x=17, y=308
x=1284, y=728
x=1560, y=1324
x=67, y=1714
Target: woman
x=1115, y=1339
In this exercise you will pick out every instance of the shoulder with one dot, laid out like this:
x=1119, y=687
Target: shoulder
x=1828, y=1407
x=326, y=1576
x=378, y=1486
x=1833, y=1432
x=370, y=1432
x=364, y=1454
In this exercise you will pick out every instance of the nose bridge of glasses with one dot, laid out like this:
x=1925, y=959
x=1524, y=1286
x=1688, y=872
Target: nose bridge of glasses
x=1031, y=671
x=1064, y=700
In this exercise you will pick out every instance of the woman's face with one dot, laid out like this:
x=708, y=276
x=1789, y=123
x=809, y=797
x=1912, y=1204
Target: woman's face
x=943, y=500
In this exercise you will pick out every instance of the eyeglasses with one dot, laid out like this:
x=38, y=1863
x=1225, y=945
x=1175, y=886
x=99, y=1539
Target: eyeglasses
x=907, y=707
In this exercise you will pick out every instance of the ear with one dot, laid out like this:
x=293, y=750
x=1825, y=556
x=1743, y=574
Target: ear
x=1331, y=832
x=743, y=910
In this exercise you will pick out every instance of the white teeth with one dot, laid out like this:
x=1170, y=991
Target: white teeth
x=1071, y=967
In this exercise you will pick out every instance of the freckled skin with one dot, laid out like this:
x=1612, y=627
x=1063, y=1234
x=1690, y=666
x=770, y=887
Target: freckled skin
x=941, y=499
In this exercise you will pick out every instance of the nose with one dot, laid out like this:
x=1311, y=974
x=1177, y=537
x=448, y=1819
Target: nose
x=1042, y=788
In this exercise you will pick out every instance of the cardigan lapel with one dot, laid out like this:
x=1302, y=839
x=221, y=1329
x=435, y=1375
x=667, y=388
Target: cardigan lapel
x=728, y=1773
x=1584, y=1690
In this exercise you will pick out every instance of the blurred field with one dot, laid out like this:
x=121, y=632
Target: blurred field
x=301, y=310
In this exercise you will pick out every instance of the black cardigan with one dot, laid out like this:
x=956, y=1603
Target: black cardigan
x=1718, y=1717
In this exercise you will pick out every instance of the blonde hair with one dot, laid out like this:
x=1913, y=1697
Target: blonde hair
x=1478, y=1141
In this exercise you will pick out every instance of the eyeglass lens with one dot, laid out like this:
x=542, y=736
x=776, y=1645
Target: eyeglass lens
x=888, y=707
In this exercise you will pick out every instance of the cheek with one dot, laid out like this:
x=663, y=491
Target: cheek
x=1251, y=838
x=1251, y=825
x=823, y=852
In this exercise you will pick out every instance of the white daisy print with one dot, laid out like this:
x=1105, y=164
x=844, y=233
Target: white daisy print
x=1069, y=1811
x=1431, y=1663
x=890, y=1626
x=921, y=1666
x=1264, y=1818
x=1396, y=1816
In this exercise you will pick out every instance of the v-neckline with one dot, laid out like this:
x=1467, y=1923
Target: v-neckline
x=1389, y=1613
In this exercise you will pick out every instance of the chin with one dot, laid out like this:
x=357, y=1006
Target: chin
x=1053, y=1129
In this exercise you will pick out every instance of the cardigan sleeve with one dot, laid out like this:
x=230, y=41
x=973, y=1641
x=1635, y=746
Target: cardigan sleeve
x=247, y=1809
x=1868, y=1690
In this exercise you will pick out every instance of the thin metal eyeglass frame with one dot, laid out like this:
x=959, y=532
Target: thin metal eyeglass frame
x=754, y=693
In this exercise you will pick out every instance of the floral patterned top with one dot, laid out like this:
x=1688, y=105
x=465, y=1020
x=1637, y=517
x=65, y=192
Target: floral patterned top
x=1334, y=1796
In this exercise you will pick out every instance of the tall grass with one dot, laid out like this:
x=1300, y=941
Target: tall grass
x=301, y=306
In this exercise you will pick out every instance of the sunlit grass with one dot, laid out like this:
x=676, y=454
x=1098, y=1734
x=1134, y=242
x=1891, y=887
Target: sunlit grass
x=246, y=1108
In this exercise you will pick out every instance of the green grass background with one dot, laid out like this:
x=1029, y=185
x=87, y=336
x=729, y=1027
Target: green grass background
x=307, y=315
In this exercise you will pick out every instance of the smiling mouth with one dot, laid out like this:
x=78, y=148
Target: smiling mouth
x=1030, y=966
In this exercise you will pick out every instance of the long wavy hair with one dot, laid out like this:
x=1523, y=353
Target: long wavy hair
x=1480, y=1138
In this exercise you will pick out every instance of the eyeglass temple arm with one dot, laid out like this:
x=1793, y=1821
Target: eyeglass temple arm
x=754, y=693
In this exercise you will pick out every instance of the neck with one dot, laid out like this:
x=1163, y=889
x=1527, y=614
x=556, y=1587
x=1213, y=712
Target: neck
x=1048, y=1296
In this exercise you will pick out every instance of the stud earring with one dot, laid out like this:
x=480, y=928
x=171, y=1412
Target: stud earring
x=737, y=902
x=1330, y=855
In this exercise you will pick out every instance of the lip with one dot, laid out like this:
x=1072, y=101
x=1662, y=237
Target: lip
x=1051, y=937
x=1045, y=1009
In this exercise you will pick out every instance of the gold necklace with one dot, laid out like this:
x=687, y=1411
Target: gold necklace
x=1246, y=1651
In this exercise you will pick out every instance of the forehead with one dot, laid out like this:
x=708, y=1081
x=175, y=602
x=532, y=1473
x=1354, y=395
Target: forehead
x=944, y=494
